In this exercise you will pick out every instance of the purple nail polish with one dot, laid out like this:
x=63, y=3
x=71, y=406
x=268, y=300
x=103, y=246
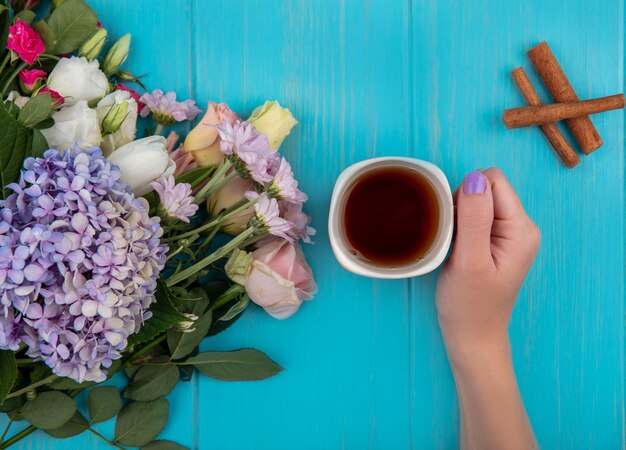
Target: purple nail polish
x=474, y=183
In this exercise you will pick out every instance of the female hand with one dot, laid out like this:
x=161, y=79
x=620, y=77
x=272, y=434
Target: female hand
x=496, y=243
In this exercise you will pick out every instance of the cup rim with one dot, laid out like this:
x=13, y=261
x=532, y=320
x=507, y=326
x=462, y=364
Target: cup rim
x=438, y=251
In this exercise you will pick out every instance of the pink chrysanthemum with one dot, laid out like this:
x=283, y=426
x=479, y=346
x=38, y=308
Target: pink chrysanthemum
x=284, y=186
x=248, y=150
x=267, y=214
x=176, y=199
x=165, y=109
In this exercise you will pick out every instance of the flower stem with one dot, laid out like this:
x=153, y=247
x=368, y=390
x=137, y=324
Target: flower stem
x=12, y=77
x=6, y=60
x=227, y=296
x=108, y=441
x=206, y=190
x=19, y=392
x=24, y=361
x=159, y=129
x=218, y=254
x=238, y=207
x=18, y=437
x=6, y=429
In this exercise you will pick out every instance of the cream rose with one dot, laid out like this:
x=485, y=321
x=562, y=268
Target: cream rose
x=143, y=161
x=77, y=79
x=74, y=125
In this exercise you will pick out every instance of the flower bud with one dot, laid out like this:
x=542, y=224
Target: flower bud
x=124, y=75
x=116, y=55
x=238, y=266
x=274, y=121
x=92, y=47
x=114, y=118
x=188, y=325
x=31, y=80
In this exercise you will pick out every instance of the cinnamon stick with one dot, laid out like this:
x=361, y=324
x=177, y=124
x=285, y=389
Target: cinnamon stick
x=528, y=116
x=561, y=90
x=558, y=142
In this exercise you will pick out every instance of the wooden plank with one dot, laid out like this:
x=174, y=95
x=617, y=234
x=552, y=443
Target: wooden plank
x=340, y=67
x=567, y=329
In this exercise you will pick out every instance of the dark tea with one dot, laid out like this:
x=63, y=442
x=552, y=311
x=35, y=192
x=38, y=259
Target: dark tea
x=391, y=216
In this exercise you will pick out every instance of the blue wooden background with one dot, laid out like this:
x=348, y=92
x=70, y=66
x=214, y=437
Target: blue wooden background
x=365, y=364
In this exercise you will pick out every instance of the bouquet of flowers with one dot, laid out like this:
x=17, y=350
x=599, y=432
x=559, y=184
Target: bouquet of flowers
x=120, y=254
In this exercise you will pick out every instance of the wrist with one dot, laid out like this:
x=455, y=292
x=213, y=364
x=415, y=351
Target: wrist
x=469, y=358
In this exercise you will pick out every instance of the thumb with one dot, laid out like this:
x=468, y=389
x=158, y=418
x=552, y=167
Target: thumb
x=474, y=208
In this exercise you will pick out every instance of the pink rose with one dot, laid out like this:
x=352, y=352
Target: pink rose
x=278, y=279
x=31, y=80
x=25, y=41
x=203, y=142
x=58, y=98
x=133, y=94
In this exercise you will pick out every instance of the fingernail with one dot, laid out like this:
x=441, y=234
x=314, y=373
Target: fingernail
x=474, y=183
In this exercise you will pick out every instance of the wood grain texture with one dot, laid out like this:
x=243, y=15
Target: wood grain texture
x=365, y=364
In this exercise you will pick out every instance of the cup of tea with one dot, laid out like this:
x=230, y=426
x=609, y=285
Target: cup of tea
x=391, y=217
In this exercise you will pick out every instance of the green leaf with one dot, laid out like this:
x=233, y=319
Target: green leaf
x=47, y=35
x=103, y=403
x=152, y=382
x=140, y=422
x=17, y=142
x=12, y=109
x=182, y=344
x=154, y=355
x=163, y=445
x=4, y=28
x=73, y=427
x=66, y=384
x=246, y=364
x=39, y=372
x=25, y=16
x=39, y=108
x=236, y=309
x=164, y=316
x=72, y=22
x=8, y=373
x=45, y=124
x=49, y=410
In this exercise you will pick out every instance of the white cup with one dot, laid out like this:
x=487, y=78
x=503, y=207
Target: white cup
x=339, y=242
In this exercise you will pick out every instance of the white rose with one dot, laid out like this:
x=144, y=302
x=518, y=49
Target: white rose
x=78, y=79
x=143, y=161
x=18, y=99
x=127, y=130
x=76, y=124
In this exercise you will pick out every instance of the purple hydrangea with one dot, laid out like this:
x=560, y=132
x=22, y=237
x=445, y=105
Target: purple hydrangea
x=79, y=262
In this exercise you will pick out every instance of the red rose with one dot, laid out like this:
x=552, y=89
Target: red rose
x=25, y=41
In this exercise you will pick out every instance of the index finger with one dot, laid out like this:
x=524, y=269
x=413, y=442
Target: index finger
x=506, y=203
